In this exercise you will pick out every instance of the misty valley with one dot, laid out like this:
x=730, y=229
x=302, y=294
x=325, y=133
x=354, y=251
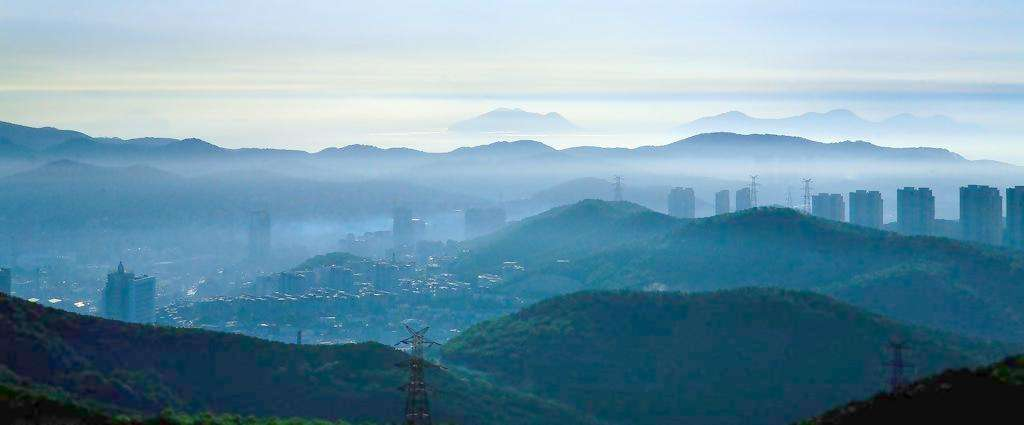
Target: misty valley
x=723, y=278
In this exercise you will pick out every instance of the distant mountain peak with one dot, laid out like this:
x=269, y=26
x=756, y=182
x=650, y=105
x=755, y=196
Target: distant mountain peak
x=840, y=122
x=515, y=121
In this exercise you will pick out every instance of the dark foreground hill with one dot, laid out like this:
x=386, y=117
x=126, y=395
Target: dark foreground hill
x=29, y=406
x=148, y=369
x=989, y=395
x=747, y=356
x=935, y=282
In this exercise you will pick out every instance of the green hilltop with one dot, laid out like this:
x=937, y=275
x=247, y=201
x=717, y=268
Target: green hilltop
x=936, y=282
x=744, y=356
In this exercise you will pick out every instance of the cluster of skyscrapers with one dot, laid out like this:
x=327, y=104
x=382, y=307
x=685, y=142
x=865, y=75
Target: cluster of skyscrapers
x=723, y=204
x=981, y=210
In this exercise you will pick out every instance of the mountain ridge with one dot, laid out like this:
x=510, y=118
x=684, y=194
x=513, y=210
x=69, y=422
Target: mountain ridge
x=73, y=144
x=880, y=271
x=748, y=355
x=842, y=122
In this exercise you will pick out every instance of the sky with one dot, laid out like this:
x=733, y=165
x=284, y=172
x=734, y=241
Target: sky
x=313, y=74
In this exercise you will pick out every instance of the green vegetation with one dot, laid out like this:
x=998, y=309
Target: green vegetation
x=989, y=394
x=148, y=369
x=564, y=233
x=751, y=356
x=934, y=282
x=20, y=405
x=340, y=259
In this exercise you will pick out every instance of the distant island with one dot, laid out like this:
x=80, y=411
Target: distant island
x=515, y=121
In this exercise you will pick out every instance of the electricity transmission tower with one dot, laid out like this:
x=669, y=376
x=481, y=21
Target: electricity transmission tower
x=417, y=406
x=897, y=365
x=753, y=191
x=789, y=197
x=807, y=196
x=617, y=188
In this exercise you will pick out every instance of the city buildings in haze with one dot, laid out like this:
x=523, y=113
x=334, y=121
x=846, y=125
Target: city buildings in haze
x=339, y=278
x=866, y=208
x=743, y=199
x=981, y=214
x=403, y=229
x=722, y=202
x=829, y=206
x=1014, y=235
x=481, y=221
x=681, y=202
x=385, y=275
x=915, y=211
x=259, y=236
x=129, y=298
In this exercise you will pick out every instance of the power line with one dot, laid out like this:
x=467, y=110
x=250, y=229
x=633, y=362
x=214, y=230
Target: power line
x=417, y=405
x=807, y=195
x=897, y=365
x=617, y=188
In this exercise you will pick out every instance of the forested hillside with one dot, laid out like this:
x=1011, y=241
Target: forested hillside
x=148, y=369
x=746, y=356
x=935, y=282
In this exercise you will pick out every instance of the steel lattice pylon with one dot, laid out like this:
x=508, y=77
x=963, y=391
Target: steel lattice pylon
x=417, y=404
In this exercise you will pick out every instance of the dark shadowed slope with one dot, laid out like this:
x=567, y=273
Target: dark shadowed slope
x=936, y=282
x=748, y=356
x=148, y=369
x=988, y=395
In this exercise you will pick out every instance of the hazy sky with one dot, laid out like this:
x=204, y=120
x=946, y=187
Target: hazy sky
x=319, y=73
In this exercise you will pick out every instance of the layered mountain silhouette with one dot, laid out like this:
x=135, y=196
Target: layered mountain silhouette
x=49, y=144
x=840, y=123
x=936, y=282
x=515, y=121
x=747, y=356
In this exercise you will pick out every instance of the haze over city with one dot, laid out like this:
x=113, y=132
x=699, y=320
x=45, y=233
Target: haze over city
x=516, y=213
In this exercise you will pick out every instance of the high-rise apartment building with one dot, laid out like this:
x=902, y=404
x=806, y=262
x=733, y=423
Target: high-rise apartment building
x=722, y=202
x=915, y=211
x=743, y=199
x=403, y=229
x=866, y=208
x=129, y=298
x=829, y=206
x=981, y=214
x=1014, y=235
x=682, y=202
